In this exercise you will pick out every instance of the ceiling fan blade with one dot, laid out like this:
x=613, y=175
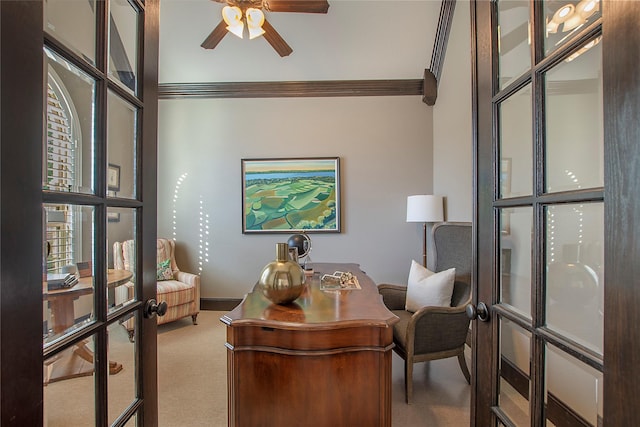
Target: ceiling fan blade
x=216, y=35
x=304, y=6
x=276, y=40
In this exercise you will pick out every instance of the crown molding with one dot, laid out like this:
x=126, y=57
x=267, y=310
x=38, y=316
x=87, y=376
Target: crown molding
x=292, y=89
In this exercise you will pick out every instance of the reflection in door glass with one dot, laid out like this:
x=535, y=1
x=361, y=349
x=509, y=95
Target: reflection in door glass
x=563, y=19
x=516, y=145
x=69, y=398
x=67, y=290
x=575, y=272
x=121, y=258
x=514, y=41
x=73, y=22
x=574, y=122
x=515, y=260
x=515, y=387
x=122, y=370
x=121, y=147
x=69, y=143
x=123, y=44
x=574, y=391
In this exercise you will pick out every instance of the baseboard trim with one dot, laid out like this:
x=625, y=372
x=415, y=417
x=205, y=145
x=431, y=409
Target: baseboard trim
x=219, y=304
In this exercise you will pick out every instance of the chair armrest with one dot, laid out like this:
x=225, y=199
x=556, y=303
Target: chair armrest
x=393, y=296
x=439, y=328
x=190, y=279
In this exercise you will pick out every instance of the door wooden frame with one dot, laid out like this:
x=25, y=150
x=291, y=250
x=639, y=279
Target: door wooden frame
x=21, y=198
x=621, y=93
x=21, y=118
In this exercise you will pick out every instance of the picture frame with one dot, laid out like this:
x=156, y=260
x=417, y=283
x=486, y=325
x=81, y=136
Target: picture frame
x=291, y=195
x=113, y=216
x=113, y=177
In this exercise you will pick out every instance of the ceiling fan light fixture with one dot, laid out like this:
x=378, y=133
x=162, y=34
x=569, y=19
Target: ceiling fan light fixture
x=232, y=15
x=574, y=21
x=586, y=8
x=255, y=20
x=563, y=13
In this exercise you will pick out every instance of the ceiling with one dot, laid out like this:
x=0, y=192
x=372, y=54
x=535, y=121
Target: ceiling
x=355, y=40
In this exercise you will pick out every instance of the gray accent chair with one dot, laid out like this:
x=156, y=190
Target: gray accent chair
x=435, y=332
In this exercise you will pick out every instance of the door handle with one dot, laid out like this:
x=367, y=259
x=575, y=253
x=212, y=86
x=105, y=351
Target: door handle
x=481, y=313
x=152, y=307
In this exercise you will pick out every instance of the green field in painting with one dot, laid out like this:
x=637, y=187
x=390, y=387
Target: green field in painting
x=290, y=203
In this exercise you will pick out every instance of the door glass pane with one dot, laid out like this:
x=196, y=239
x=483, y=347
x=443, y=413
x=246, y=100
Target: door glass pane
x=516, y=144
x=574, y=391
x=67, y=290
x=563, y=19
x=514, y=41
x=73, y=23
x=122, y=370
x=69, y=398
x=515, y=355
x=69, y=143
x=123, y=44
x=121, y=147
x=575, y=272
x=515, y=259
x=121, y=257
x=574, y=123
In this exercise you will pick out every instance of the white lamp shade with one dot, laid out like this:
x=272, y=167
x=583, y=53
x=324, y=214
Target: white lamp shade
x=232, y=16
x=424, y=208
x=255, y=19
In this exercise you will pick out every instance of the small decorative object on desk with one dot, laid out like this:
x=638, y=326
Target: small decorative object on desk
x=282, y=280
x=339, y=280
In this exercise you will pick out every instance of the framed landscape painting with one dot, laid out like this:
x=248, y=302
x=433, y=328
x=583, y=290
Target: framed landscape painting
x=291, y=195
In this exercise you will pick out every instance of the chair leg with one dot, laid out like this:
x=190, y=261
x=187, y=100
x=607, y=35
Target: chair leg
x=408, y=380
x=194, y=318
x=463, y=366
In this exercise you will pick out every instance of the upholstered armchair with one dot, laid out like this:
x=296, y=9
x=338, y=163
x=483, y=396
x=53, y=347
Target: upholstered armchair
x=432, y=332
x=179, y=289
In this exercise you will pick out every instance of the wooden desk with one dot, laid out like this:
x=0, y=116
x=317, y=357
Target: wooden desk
x=323, y=360
x=79, y=361
x=61, y=300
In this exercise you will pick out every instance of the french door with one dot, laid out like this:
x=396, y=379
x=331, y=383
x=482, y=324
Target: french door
x=79, y=118
x=556, y=102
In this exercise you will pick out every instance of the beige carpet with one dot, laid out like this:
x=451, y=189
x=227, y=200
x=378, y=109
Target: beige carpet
x=192, y=378
x=192, y=383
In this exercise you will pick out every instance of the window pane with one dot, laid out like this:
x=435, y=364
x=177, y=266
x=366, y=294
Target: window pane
x=574, y=391
x=69, y=143
x=564, y=19
x=574, y=123
x=514, y=43
x=121, y=257
x=68, y=287
x=516, y=144
x=121, y=147
x=69, y=398
x=575, y=272
x=73, y=23
x=122, y=371
x=123, y=44
x=515, y=260
x=515, y=387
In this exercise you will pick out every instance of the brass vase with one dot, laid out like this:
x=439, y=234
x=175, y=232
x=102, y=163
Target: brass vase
x=282, y=280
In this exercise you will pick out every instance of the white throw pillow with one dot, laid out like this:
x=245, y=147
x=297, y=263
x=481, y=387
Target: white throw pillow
x=427, y=289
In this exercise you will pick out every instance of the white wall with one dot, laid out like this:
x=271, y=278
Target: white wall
x=452, y=138
x=385, y=150
x=356, y=39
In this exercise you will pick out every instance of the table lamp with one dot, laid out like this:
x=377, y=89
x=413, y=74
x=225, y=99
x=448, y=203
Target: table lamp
x=424, y=208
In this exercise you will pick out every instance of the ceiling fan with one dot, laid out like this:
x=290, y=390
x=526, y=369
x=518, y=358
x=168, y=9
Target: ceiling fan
x=237, y=13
